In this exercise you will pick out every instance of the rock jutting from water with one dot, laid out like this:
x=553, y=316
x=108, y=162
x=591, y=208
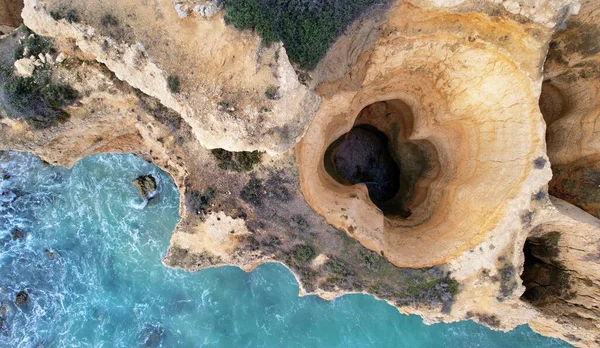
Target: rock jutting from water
x=146, y=186
x=488, y=108
x=21, y=298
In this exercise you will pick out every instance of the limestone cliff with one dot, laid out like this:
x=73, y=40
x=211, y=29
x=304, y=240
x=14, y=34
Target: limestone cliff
x=451, y=88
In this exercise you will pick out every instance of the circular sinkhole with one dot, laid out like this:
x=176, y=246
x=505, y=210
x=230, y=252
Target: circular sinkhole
x=376, y=152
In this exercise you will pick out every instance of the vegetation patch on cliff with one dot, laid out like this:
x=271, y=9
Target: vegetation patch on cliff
x=307, y=28
x=40, y=98
x=242, y=161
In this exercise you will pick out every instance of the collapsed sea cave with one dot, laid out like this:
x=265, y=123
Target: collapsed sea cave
x=377, y=153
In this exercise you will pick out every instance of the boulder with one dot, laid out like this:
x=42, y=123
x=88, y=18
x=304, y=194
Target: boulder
x=21, y=298
x=146, y=185
x=208, y=9
x=18, y=234
x=182, y=10
x=152, y=336
x=50, y=254
x=25, y=67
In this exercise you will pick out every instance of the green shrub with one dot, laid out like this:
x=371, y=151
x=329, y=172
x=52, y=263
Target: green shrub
x=337, y=270
x=173, y=83
x=69, y=14
x=253, y=192
x=303, y=254
x=109, y=20
x=370, y=259
x=306, y=27
x=242, y=161
x=58, y=95
x=272, y=93
x=39, y=44
x=37, y=99
x=199, y=202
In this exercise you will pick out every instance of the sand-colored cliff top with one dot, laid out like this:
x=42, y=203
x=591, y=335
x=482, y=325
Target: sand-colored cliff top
x=479, y=104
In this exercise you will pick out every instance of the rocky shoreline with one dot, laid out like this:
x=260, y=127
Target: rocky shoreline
x=459, y=85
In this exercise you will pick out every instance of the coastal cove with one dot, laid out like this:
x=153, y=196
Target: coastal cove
x=89, y=259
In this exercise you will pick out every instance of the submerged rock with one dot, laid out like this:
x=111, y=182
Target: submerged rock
x=146, y=185
x=22, y=298
x=3, y=313
x=18, y=234
x=152, y=336
x=50, y=254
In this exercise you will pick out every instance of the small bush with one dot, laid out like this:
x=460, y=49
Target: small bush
x=275, y=188
x=173, y=83
x=18, y=91
x=226, y=105
x=337, y=270
x=507, y=281
x=299, y=222
x=58, y=95
x=539, y=163
x=253, y=192
x=303, y=254
x=272, y=93
x=38, y=44
x=242, y=161
x=199, y=202
x=56, y=15
x=71, y=16
x=109, y=20
x=371, y=259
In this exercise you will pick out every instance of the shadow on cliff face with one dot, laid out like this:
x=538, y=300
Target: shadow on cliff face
x=569, y=104
x=577, y=182
x=545, y=279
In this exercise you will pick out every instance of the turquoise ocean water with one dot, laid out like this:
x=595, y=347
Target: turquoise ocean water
x=91, y=264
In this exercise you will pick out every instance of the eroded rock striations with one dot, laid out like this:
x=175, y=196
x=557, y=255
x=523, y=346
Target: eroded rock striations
x=412, y=163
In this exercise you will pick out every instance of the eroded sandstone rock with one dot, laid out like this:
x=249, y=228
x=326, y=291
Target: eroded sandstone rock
x=146, y=186
x=212, y=71
x=570, y=102
x=453, y=85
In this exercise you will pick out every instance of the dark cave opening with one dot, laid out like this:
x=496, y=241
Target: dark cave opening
x=363, y=156
x=544, y=277
x=377, y=152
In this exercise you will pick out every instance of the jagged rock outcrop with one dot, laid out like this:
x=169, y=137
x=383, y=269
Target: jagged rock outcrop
x=562, y=273
x=146, y=186
x=221, y=88
x=453, y=88
x=458, y=91
x=570, y=102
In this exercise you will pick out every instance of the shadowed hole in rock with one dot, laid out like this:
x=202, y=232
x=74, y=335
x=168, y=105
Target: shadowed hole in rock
x=377, y=152
x=553, y=103
x=544, y=277
x=576, y=180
